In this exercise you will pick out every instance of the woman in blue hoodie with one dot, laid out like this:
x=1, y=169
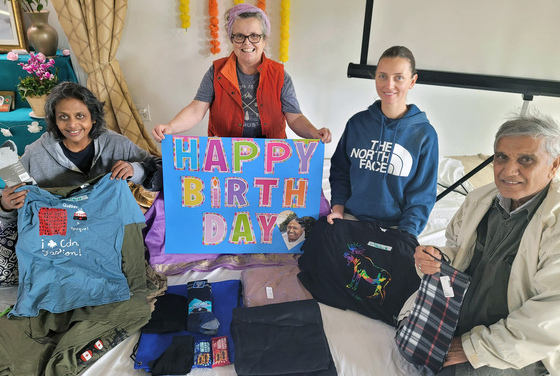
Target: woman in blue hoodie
x=384, y=168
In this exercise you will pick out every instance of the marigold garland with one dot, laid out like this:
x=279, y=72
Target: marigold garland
x=213, y=26
x=239, y=2
x=184, y=8
x=284, y=30
x=262, y=5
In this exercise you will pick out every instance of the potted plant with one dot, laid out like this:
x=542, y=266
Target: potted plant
x=42, y=36
x=35, y=87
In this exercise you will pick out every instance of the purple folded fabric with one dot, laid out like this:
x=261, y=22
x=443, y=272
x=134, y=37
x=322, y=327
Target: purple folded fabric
x=170, y=264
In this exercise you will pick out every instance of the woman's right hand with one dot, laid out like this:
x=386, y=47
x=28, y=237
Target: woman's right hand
x=13, y=200
x=336, y=213
x=160, y=130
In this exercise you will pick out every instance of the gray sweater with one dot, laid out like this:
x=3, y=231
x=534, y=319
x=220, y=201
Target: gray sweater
x=47, y=164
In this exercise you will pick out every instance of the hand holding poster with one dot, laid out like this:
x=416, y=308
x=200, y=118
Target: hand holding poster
x=240, y=195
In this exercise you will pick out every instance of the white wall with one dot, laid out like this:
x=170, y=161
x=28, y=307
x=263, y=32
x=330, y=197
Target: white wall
x=163, y=65
x=169, y=73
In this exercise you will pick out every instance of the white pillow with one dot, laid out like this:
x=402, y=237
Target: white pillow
x=451, y=170
x=470, y=162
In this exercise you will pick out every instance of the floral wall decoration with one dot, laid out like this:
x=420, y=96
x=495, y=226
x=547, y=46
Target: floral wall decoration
x=213, y=25
x=184, y=9
x=213, y=11
x=284, y=30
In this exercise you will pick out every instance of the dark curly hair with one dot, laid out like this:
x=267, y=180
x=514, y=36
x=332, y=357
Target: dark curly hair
x=72, y=90
x=305, y=222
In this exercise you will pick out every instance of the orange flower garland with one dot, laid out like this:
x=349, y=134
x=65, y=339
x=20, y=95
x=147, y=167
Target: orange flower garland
x=262, y=4
x=284, y=30
x=184, y=9
x=213, y=11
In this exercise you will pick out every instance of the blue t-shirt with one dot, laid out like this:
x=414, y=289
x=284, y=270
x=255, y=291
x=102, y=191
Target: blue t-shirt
x=69, y=248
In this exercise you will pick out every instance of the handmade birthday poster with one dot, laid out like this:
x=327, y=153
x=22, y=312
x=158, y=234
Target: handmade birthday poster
x=240, y=195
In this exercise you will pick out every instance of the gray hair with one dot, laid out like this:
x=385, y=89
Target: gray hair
x=245, y=10
x=535, y=125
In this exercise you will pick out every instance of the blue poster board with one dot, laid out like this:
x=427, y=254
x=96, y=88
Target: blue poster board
x=240, y=195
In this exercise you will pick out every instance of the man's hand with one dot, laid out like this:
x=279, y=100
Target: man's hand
x=424, y=262
x=456, y=354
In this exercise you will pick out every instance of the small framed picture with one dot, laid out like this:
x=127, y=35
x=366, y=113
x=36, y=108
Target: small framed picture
x=12, y=36
x=7, y=101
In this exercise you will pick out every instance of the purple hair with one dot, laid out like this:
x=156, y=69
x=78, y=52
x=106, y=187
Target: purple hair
x=242, y=8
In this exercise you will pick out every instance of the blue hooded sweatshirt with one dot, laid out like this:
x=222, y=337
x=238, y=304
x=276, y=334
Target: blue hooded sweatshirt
x=385, y=170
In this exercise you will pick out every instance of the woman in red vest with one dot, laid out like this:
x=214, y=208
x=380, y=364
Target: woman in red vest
x=248, y=95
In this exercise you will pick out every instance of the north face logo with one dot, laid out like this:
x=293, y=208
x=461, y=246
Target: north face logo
x=377, y=158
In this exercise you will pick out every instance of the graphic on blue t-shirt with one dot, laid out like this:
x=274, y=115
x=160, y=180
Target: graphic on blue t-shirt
x=80, y=215
x=52, y=222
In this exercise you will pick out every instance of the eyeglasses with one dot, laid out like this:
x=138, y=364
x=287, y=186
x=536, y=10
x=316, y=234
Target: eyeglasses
x=240, y=38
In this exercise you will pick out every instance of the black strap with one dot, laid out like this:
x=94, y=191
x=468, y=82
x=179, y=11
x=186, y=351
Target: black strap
x=444, y=257
x=135, y=350
x=464, y=178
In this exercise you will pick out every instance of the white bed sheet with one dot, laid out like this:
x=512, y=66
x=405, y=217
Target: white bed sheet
x=443, y=211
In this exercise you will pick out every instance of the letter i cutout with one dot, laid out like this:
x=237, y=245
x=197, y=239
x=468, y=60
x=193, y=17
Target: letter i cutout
x=215, y=192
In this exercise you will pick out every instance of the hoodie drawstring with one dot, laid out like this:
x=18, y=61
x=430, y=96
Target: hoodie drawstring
x=392, y=149
x=381, y=136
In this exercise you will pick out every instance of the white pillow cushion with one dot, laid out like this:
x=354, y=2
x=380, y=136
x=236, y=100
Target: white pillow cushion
x=451, y=170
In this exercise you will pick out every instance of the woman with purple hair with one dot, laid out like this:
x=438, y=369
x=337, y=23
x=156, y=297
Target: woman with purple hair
x=248, y=95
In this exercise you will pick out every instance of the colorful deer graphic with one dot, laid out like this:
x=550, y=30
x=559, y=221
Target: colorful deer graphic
x=365, y=269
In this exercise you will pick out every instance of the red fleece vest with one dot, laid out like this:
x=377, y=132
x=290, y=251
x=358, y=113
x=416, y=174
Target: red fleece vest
x=226, y=112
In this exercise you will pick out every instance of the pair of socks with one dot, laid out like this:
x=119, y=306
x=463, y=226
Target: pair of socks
x=200, y=316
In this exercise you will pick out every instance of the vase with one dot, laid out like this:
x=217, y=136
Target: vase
x=37, y=105
x=42, y=36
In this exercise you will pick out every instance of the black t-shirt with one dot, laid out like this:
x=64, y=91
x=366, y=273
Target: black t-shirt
x=360, y=266
x=82, y=159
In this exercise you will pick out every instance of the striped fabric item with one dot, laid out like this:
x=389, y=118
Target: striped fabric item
x=424, y=337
